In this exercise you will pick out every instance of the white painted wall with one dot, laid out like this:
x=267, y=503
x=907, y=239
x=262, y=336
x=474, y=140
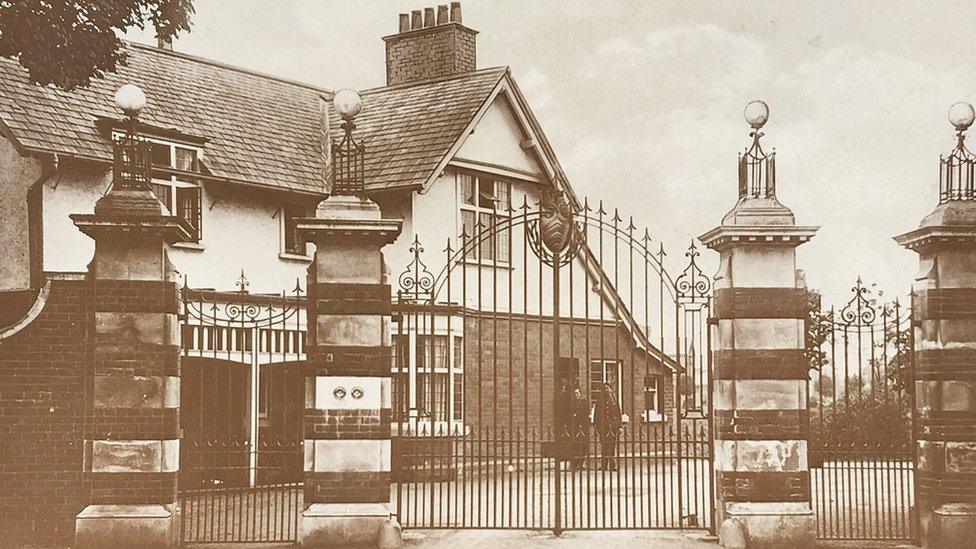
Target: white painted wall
x=241, y=230
x=497, y=140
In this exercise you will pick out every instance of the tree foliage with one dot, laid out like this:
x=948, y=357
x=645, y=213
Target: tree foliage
x=69, y=42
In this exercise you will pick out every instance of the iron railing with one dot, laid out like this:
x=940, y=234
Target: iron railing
x=860, y=449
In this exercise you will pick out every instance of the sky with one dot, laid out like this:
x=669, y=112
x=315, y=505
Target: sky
x=642, y=102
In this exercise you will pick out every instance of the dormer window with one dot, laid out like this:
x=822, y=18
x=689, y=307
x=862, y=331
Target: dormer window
x=178, y=191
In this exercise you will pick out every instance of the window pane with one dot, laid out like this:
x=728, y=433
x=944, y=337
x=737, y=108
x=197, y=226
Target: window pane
x=486, y=193
x=440, y=397
x=486, y=237
x=186, y=159
x=188, y=208
x=458, y=397
x=165, y=195
x=467, y=236
x=458, y=353
x=467, y=189
x=293, y=244
x=503, y=191
x=502, y=240
x=440, y=352
x=160, y=155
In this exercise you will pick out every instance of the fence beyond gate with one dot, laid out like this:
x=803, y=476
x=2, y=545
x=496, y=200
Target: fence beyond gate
x=861, y=406
x=529, y=306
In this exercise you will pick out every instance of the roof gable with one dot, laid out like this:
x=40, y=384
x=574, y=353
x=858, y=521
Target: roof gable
x=258, y=129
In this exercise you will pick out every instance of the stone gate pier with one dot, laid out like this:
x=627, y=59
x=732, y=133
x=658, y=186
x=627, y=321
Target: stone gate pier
x=759, y=369
x=945, y=351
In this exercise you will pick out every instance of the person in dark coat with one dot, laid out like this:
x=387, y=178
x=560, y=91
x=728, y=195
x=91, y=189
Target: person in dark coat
x=564, y=424
x=581, y=430
x=607, y=418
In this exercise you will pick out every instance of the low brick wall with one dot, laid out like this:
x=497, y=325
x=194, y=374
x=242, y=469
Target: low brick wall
x=43, y=409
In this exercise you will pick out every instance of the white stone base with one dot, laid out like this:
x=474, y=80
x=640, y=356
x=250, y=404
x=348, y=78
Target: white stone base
x=99, y=526
x=953, y=525
x=775, y=524
x=343, y=524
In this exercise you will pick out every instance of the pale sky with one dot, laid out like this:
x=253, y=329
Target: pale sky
x=643, y=102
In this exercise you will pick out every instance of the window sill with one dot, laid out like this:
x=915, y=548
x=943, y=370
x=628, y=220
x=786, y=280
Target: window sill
x=653, y=417
x=295, y=257
x=189, y=246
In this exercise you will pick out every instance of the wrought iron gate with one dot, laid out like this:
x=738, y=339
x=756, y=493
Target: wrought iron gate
x=861, y=453
x=242, y=408
x=488, y=431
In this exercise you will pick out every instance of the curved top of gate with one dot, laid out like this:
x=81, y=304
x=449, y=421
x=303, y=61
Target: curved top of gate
x=863, y=312
x=557, y=229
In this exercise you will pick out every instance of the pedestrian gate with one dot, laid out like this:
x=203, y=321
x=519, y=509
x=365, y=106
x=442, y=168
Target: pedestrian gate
x=552, y=375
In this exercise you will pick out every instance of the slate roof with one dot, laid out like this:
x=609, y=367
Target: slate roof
x=259, y=129
x=407, y=129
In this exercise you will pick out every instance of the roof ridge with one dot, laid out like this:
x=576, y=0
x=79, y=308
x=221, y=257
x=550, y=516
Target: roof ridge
x=228, y=66
x=500, y=68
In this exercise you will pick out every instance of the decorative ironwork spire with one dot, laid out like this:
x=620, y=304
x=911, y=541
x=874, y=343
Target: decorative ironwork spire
x=348, y=155
x=956, y=170
x=757, y=170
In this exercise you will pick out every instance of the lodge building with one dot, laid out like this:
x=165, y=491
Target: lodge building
x=451, y=149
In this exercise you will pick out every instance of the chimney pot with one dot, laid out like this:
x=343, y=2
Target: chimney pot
x=404, y=22
x=442, y=14
x=455, y=12
x=416, y=21
x=428, y=17
x=164, y=43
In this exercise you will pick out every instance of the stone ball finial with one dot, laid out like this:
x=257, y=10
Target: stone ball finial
x=961, y=116
x=348, y=103
x=131, y=99
x=756, y=113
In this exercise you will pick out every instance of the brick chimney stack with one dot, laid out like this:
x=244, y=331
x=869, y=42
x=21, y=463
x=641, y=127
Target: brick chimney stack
x=429, y=46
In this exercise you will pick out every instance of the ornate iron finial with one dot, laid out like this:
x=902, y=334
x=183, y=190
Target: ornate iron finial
x=692, y=285
x=757, y=170
x=348, y=156
x=416, y=281
x=860, y=310
x=242, y=283
x=956, y=170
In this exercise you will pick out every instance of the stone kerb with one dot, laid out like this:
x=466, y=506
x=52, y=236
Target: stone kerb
x=133, y=439
x=348, y=396
x=760, y=376
x=945, y=374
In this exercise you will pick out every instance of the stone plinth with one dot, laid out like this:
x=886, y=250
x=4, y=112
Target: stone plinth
x=760, y=377
x=135, y=430
x=348, y=400
x=945, y=374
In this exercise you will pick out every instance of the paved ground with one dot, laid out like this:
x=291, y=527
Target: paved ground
x=504, y=539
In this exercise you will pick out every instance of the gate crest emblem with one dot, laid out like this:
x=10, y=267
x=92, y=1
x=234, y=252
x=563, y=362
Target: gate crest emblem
x=555, y=222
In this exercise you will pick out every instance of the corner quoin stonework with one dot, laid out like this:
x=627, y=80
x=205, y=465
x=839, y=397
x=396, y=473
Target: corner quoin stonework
x=133, y=439
x=347, y=382
x=945, y=374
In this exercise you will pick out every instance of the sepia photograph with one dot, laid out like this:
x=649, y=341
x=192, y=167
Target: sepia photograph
x=491, y=273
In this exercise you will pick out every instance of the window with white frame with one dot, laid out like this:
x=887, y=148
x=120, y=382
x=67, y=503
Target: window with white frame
x=485, y=207
x=291, y=244
x=604, y=371
x=437, y=390
x=181, y=195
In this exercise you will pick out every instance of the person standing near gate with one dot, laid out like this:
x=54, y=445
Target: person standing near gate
x=581, y=430
x=607, y=418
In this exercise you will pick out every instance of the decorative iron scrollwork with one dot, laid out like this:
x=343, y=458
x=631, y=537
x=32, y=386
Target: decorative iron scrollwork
x=692, y=284
x=416, y=281
x=859, y=310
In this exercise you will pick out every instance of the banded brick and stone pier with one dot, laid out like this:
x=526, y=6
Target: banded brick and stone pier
x=760, y=375
x=132, y=443
x=945, y=354
x=347, y=402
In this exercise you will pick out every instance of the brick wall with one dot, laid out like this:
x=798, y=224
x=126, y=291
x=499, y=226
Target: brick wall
x=429, y=53
x=43, y=394
x=514, y=376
